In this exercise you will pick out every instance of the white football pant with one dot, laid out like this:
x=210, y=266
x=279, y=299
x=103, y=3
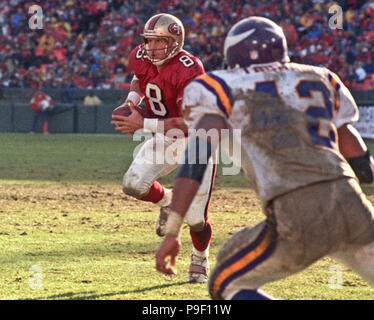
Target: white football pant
x=158, y=157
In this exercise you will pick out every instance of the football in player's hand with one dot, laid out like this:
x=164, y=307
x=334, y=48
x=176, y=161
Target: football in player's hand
x=125, y=111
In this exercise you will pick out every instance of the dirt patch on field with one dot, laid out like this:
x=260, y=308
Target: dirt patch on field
x=111, y=197
x=69, y=197
x=62, y=208
x=105, y=196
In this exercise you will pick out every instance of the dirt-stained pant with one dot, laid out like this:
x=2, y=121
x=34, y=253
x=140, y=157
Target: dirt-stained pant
x=327, y=219
x=158, y=157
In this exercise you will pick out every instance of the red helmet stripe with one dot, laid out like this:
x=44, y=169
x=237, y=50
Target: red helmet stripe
x=153, y=22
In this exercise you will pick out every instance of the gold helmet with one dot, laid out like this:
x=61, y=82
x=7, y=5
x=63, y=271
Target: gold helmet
x=168, y=27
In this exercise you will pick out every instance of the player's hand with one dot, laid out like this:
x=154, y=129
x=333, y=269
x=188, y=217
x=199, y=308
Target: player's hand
x=166, y=256
x=128, y=124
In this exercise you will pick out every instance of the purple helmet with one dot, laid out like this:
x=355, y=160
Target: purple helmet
x=255, y=40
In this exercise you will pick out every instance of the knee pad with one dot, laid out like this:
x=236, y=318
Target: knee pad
x=134, y=186
x=195, y=217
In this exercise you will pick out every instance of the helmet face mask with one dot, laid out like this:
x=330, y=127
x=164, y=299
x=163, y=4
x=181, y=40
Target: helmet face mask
x=160, y=52
x=255, y=40
x=163, y=26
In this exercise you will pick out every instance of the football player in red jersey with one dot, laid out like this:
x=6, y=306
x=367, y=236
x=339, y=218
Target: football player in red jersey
x=162, y=69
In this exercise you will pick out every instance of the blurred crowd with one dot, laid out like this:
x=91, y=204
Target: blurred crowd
x=86, y=43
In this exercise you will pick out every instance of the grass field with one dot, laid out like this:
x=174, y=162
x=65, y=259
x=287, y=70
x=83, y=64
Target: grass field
x=68, y=232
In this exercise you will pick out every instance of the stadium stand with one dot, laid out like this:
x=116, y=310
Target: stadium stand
x=85, y=43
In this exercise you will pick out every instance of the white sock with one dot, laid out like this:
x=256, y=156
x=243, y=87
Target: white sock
x=202, y=254
x=166, y=199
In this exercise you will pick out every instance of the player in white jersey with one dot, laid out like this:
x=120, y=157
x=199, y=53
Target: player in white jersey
x=295, y=123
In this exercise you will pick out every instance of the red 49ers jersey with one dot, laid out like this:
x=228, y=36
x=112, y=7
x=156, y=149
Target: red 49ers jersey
x=163, y=90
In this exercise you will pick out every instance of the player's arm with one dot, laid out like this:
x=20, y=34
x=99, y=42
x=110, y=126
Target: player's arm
x=135, y=96
x=165, y=126
x=136, y=121
x=351, y=144
x=187, y=182
x=354, y=149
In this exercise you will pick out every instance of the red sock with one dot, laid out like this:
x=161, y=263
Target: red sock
x=201, y=239
x=155, y=193
x=45, y=127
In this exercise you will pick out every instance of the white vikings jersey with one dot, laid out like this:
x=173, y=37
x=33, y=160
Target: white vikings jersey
x=288, y=115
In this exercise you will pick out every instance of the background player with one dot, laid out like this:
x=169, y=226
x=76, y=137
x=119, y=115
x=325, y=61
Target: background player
x=162, y=69
x=42, y=104
x=288, y=115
